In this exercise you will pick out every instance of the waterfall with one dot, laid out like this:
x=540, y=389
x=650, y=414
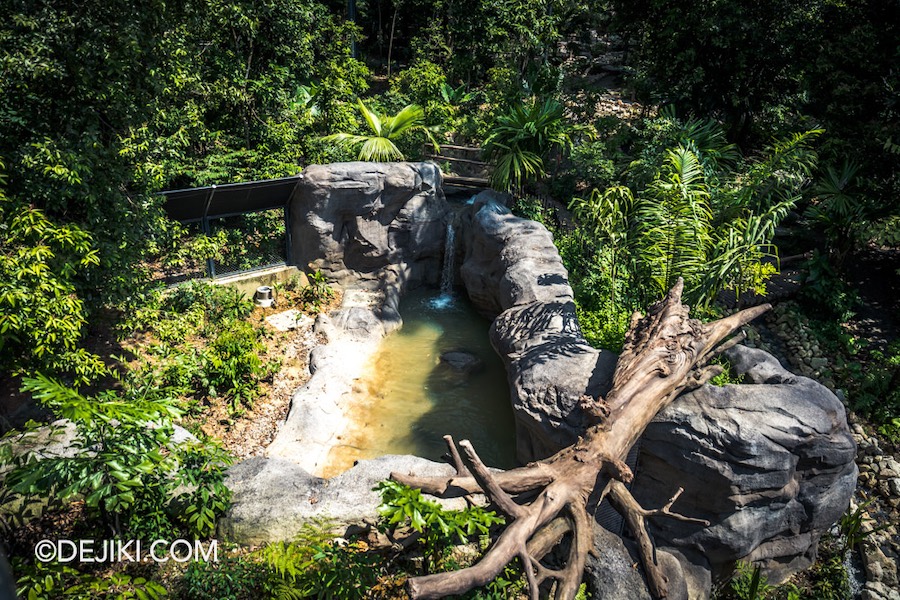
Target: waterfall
x=445, y=298
x=449, y=259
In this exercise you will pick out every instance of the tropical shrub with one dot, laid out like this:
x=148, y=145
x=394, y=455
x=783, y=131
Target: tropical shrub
x=405, y=506
x=231, y=578
x=203, y=347
x=699, y=216
x=321, y=569
x=50, y=581
x=841, y=211
x=232, y=365
x=422, y=84
x=522, y=138
x=122, y=451
x=42, y=317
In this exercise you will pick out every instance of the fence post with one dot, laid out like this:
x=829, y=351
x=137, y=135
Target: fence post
x=211, y=261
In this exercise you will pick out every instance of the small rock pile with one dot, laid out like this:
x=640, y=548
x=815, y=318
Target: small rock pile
x=787, y=334
x=879, y=481
x=801, y=348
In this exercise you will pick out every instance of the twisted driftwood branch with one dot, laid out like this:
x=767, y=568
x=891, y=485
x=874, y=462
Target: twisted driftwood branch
x=664, y=354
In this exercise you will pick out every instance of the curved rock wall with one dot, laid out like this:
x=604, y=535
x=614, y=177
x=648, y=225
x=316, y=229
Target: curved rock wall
x=770, y=464
x=513, y=272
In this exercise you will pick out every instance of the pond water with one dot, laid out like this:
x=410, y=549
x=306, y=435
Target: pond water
x=408, y=399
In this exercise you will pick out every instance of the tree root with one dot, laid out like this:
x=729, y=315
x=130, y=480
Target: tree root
x=664, y=354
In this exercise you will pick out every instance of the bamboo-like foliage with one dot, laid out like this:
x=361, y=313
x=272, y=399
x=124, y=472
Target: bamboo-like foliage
x=381, y=146
x=674, y=220
x=703, y=216
x=608, y=215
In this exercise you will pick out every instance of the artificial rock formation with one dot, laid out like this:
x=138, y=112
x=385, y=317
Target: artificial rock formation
x=375, y=225
x=769, y=463
x=512, y=271
x=273, y=497
x=777, y=451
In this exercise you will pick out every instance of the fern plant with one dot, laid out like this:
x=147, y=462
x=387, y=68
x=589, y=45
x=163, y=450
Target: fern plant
x=322, y=569
x=699, y=216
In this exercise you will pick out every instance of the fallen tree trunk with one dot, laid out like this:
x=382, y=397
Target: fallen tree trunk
x=665, y=353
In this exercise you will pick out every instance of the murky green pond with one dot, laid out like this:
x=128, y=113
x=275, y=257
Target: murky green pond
x=408, y=398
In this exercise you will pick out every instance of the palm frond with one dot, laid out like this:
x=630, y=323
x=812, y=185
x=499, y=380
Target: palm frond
x=345, y=139
x=371, y=118
x=515, y=167
x=379, y=149
x=380, y=145
x=409, y=118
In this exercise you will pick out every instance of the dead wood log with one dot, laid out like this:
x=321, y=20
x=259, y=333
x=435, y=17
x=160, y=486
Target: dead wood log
x=664, y=354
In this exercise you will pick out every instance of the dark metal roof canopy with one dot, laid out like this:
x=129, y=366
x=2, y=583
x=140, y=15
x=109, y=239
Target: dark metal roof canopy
x=216, y=201
x=219, y=201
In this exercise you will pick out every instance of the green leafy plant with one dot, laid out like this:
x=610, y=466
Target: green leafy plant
x=403, y=506
x=385, y=130
x=840, y=210
x=322, y=570
x=317, y=292
x=232, y=366
x=207, y=348
x=231, y=578
x=50, y=581
x=456, y=96
x=695, y=218
x=748, y=583
x=122, y=449
x=725, y=377
x=850, y=526
x=217, y=303
x=42, y=317
x=522, y=138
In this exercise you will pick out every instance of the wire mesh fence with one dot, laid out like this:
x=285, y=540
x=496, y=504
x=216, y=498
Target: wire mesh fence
x=249, y=241
x=226, y=229
x=223, y=246
x=180, y=263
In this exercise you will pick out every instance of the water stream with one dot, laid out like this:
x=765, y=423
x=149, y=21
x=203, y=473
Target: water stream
x=445, y=299
x=408, y=398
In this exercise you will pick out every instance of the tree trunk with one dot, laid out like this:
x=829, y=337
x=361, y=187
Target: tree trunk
x=664, y=354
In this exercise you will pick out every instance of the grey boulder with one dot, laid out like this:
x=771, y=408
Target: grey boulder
x=370, y=223
x=273, y=498
x=770, y=464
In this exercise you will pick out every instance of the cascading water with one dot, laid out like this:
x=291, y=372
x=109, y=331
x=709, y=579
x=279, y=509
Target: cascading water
x=445, y=299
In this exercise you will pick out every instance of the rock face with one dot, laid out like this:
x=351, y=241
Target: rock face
x=462, y=361
x=273, y=497
x=513, y=272
x=370, y=223
x=318, y=414
x=611, y=574
x=769, y=464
